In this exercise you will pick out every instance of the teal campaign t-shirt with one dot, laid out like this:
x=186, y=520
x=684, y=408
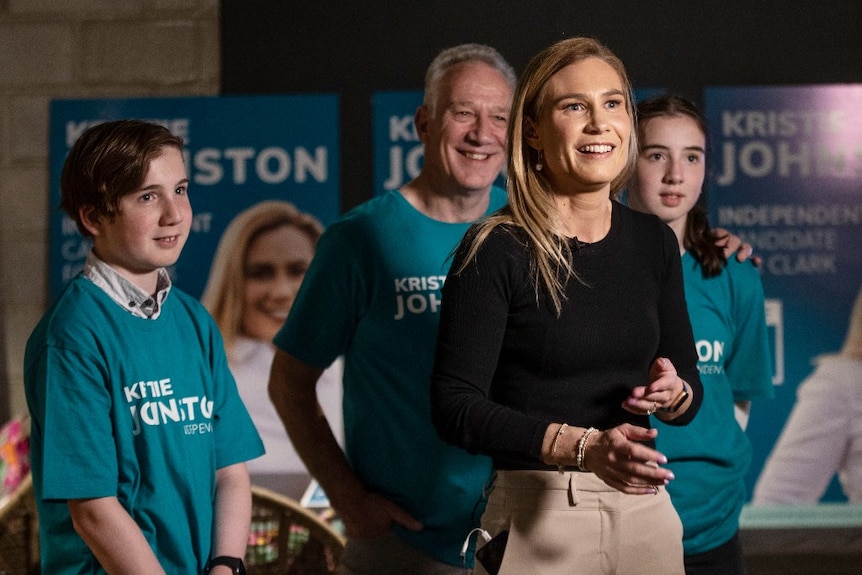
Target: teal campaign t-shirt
x=372, y=294
x=144, y=410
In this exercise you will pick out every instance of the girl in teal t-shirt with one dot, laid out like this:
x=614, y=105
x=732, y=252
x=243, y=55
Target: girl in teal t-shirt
x=725, y=301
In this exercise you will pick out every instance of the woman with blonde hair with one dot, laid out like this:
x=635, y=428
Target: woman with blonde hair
x=257, y=269
x=563, y=328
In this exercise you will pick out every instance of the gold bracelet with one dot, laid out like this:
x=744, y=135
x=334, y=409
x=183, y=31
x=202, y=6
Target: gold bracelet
x=582, y=446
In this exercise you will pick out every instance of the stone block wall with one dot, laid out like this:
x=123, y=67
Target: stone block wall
x=75, y=49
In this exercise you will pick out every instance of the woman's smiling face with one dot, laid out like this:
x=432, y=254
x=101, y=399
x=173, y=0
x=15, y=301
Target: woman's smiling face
x=275, y=266
x=585, y=127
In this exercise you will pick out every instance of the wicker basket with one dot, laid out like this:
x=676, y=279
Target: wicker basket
x=286, y=538
x=19, y=532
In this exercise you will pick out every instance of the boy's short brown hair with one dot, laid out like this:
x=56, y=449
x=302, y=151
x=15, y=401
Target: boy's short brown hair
x=107, y=162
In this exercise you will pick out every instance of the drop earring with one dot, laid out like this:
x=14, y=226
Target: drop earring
x=539, y=164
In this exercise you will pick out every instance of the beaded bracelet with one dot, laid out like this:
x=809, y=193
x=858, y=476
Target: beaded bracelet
x=582, y=444
x=561, y=468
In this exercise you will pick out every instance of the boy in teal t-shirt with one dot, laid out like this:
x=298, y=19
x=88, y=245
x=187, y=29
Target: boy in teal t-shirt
x=139, y=437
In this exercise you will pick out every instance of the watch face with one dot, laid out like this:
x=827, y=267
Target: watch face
x=680, y=400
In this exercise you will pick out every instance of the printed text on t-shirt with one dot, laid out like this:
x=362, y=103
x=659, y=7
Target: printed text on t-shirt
x=151, y=403
x=417, y=295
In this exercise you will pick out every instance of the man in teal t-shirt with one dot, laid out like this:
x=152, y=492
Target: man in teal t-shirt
x=372, y=294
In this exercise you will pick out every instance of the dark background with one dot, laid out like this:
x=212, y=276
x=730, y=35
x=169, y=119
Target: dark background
x=358, y=48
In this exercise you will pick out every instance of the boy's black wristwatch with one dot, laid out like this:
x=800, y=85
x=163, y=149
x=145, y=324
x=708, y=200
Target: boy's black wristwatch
x=236, y=565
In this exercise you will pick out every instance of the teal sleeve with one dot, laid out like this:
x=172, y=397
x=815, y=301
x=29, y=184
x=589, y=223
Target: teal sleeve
x=749, y=367
x=237, y=438
x=79, y=455
x=330, y=301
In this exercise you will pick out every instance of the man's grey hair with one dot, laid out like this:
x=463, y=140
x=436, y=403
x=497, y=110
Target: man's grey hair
x=460, y=54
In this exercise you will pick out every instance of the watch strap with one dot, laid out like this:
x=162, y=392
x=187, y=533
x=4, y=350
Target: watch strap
x=236, y=565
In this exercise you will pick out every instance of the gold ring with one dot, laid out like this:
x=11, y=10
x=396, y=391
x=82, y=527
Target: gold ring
x=651, y=410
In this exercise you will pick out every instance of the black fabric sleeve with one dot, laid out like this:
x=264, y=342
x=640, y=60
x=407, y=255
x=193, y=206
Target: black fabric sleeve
x=677, y=339
x=473, y=318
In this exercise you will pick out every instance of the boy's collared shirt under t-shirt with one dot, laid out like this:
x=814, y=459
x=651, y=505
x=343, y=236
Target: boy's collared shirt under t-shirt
x=127, y=295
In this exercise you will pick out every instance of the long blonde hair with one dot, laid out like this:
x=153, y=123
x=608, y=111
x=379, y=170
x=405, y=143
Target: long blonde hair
x=224, y=293
x=531, y=205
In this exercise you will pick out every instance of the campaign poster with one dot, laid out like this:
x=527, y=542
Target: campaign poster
x=398, y=152
x=786, y=176
x=240, y=150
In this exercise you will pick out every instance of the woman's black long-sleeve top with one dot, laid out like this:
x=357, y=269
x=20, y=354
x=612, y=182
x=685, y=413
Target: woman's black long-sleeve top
x=507, y=366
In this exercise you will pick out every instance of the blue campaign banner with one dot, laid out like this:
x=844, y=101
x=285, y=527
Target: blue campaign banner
x=239, y=151
x=398, y=152
x=786, y=176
